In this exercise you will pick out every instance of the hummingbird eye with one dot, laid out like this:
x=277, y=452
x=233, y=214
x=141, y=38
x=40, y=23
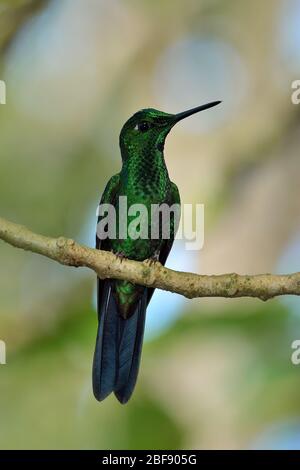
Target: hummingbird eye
x=143, y=126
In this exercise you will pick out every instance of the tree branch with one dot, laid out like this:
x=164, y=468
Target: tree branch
x=107, y=265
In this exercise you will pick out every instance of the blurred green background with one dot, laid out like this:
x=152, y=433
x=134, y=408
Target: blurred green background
x=215, y=373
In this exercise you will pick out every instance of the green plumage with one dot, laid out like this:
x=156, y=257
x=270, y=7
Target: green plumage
x=143, y=179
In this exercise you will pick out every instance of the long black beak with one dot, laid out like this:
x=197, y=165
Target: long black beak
x=185, y=114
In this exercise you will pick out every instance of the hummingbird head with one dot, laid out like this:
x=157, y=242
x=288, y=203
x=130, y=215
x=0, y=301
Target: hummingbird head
x=148, y=128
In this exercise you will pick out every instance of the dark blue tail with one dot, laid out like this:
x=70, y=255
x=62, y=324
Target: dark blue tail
x=118, y=346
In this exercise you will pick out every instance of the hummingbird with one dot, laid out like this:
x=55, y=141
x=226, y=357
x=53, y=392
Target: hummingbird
x=122, y=305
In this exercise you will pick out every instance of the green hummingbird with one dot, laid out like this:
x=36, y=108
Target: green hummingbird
x=121, y=305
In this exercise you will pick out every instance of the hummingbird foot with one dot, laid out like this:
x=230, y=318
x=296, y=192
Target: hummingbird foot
x=153, y=260
x=120, y=255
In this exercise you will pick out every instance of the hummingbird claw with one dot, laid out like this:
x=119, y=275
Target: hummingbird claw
x=120, y=255
x=152, y=261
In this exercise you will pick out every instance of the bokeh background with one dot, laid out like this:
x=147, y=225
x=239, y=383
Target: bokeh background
x=215, y=373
